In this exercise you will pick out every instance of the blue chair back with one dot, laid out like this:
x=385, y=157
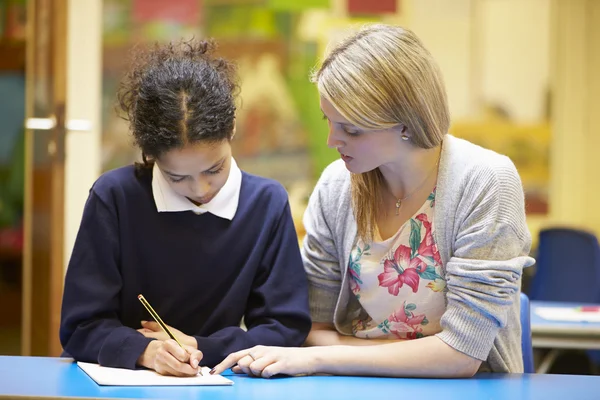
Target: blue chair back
x=526, y=346
x=567, y=267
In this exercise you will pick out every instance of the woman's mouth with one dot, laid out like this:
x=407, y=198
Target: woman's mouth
x=346, y=158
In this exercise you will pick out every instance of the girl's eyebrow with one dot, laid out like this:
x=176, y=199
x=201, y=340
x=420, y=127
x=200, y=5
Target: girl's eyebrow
x=221, y=161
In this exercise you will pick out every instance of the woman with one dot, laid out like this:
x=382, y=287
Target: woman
x=415, y=240
x=204, y=242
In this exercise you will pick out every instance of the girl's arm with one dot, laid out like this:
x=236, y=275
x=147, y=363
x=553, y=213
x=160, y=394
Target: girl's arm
x=277, y=308
x=90, y=328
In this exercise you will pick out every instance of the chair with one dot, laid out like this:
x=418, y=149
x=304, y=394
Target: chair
x=567, y=267
x=567, y=270
x=526, y=346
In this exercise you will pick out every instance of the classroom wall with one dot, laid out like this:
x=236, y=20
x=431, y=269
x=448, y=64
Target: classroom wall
x=514, y=56
x=82, y=146
x=575, y=168
x=490, y=51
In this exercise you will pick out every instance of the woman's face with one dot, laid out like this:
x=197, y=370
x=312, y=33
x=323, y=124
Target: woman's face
x=197, y=171
x=362, y=150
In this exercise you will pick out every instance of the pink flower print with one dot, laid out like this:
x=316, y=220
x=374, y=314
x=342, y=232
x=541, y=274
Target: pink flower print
x=404, y=322
x=428, y=248
x=400, y=316
x=401, y=270
x=354, y=287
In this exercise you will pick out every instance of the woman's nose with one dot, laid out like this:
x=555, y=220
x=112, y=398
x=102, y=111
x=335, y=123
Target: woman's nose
x=333, y=139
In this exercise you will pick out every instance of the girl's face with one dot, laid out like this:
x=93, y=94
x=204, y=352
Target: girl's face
x=362, y=150
x=197, y=171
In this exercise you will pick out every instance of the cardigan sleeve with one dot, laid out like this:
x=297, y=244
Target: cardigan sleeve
x=490, y=251
x=319, y=254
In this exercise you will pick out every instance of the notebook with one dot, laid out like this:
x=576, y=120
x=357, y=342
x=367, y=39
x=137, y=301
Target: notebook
x=143, y=377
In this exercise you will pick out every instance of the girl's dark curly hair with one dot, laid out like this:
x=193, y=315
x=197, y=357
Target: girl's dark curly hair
x=177, y=94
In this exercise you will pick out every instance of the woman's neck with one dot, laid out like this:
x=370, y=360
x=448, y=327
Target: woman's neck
x=410, y=171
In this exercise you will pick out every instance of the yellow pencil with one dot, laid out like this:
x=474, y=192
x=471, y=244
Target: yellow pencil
x=158, y=319
x=160, y=322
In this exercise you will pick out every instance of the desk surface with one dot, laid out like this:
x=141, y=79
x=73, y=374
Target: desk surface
x=562, y=335
x=541, y=325
x=36, y=377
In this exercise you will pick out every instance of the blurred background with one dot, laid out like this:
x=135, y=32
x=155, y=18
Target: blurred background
x=522, y=79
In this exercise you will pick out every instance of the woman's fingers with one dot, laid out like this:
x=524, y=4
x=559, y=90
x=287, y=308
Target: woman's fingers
x=230, y=361
x=258, y=365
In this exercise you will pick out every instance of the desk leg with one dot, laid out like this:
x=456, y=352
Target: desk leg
x=547, y=362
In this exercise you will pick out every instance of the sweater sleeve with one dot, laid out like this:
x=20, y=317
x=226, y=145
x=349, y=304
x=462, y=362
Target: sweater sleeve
x=90, y=329
x=277, y=309
x=319, y=254
x=484, y=274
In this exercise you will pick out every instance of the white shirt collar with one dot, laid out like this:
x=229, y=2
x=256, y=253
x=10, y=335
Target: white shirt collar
x=223, y=205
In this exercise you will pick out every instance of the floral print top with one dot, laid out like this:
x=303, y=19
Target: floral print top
x=399, y=281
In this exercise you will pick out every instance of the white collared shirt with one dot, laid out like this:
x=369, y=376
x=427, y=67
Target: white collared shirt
x=223, y=205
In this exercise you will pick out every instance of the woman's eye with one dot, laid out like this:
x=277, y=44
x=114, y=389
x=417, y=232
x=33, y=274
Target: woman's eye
x=352, y=132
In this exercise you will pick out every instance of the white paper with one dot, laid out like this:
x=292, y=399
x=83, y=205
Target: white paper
x=143, y=377
x=567, y=314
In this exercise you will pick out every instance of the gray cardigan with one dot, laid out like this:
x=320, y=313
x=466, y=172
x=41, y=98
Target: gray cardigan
x=482, y=237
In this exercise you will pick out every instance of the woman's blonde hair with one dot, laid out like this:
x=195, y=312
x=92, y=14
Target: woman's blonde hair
x=381, y=77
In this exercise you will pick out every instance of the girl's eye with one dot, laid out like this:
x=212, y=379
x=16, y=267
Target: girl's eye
x=214, y=172
x=176, y=180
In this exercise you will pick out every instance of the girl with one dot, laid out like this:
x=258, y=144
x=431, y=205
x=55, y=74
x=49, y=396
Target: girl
x=204, y=242
x=415, y=240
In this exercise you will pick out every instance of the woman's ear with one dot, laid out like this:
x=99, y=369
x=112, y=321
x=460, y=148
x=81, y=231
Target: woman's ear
x=404, y=134
x=233, y=131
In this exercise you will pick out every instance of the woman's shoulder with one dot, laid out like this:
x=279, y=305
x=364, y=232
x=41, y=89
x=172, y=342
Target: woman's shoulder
x=474, y=178
x=465, y=161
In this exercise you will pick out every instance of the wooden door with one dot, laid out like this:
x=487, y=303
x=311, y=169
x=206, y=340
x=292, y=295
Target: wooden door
x=43, y=261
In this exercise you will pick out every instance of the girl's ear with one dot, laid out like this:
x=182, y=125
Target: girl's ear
x=233, y=131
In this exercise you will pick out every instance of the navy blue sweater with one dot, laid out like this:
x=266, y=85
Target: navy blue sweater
x=201, y=273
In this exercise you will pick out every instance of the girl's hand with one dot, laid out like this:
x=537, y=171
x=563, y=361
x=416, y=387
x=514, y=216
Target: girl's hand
x=151, y=329
x=168, y=358
x=264, y=361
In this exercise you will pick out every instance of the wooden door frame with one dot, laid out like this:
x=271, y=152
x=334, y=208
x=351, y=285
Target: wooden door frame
x=43, y=260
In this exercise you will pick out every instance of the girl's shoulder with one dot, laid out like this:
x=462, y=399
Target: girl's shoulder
x=122, y=182
x=264, y=192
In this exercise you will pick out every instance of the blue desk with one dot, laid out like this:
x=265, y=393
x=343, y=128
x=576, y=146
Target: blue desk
x=562, y=335
x=57, y=378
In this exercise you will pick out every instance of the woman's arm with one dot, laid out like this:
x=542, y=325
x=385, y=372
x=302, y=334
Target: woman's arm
x=323, y=334
x=426, y=358
x=483, y=279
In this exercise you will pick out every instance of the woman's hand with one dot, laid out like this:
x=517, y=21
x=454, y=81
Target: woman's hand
x=151, y=329
x=168, y=358
x=264, y=361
